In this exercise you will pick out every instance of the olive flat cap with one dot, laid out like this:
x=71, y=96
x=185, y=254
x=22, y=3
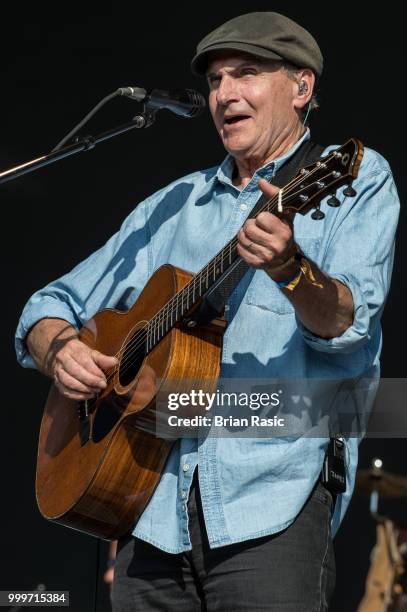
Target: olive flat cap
x=265, y=34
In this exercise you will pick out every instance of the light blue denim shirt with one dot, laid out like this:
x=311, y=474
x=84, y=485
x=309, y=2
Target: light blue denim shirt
x=250, y=487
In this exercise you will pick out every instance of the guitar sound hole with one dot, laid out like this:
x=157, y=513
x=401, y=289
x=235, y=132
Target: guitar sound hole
x=132, y=358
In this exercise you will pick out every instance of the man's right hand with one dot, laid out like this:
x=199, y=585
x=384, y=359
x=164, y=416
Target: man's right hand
x=77, y=370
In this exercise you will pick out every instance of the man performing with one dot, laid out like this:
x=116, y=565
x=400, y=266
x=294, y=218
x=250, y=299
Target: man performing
x=240, y=523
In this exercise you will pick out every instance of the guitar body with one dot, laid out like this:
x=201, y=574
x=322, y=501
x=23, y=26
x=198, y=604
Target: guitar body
x=98, y=464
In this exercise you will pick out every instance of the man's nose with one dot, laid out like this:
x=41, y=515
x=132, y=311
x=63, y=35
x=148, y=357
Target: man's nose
x=227, y=91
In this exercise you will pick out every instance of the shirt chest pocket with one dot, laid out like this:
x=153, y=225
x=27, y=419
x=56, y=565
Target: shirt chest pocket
x=263, y=291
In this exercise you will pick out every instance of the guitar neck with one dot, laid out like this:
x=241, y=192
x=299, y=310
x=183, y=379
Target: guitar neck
x=213, y=274
x=304, y=192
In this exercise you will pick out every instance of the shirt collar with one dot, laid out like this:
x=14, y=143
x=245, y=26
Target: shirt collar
x=225, y=171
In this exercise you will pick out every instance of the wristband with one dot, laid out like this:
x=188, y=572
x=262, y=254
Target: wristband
x=305, y=269
x=290, y=283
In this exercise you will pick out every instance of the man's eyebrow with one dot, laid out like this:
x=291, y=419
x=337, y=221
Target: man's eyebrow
x=253, y=62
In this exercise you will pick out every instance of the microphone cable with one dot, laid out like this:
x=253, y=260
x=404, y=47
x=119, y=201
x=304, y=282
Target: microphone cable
x=186, y=103
x=85, y=119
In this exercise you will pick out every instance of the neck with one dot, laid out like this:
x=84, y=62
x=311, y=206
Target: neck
x=247, y=166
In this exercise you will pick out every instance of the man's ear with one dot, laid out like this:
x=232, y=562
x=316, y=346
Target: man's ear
x=305, y=87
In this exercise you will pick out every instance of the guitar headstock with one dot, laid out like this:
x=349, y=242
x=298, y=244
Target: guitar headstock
x=323, y=178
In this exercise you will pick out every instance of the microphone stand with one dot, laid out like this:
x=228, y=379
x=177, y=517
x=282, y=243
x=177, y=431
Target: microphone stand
x=144, y=120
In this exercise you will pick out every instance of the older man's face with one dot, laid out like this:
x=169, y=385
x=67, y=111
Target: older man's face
x=252, y=103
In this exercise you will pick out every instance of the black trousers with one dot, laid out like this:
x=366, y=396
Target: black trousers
x=291, y=571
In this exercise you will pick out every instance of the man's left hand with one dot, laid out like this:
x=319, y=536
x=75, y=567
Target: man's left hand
x=268, y=240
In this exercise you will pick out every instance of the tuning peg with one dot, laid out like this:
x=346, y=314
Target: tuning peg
x=333, y=201
x=317, y=215
x=349, y=191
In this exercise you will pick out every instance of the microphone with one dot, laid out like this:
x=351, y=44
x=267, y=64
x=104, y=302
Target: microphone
x=183, y=102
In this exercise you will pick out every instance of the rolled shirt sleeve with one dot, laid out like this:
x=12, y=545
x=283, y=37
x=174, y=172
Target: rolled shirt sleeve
x=360, y=252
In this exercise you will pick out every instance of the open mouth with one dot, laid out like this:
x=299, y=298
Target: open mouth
x=235, y=119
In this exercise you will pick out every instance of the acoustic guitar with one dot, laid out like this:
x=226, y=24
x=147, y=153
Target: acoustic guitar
x=99, y=461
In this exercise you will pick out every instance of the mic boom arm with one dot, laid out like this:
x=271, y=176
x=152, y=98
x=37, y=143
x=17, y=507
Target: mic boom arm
x=186, y=103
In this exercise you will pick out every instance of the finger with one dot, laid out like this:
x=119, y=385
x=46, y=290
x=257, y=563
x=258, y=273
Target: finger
x=71, y=383
x=271, y=243
x=274, y=251
x=269, y=190
x=249, y=257
x=274, y=224
x=83, y=371
x=80, y=397
x=244, y=239
x=104, y=361
x=73, y=394
x=251, y=232
x=83, y=355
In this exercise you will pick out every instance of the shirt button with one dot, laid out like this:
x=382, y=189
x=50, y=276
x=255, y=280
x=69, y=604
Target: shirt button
x=186, y=467
x=183, y=495
x=243, y=206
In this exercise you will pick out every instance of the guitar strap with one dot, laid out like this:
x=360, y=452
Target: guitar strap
x=218, y=295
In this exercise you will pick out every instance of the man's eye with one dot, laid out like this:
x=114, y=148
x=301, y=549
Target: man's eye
x=214, y=80
x=246, y=71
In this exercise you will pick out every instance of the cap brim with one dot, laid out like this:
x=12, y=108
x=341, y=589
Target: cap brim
x=199, y=63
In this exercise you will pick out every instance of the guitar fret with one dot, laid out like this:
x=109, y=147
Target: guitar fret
x=162, y=322
x=165, y=320
x=183, y=300
x=159, y=318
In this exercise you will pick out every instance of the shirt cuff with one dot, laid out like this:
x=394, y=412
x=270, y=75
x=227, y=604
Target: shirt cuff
x=356, y=336
x=46, y=308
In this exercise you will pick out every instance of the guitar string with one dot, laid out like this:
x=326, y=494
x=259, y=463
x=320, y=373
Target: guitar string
x=214, y=262
x=173, y=309
x=139, y=339
x=162, y=318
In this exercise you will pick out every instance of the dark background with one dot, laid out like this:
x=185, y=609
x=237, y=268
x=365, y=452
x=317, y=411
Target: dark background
x=56, y=63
